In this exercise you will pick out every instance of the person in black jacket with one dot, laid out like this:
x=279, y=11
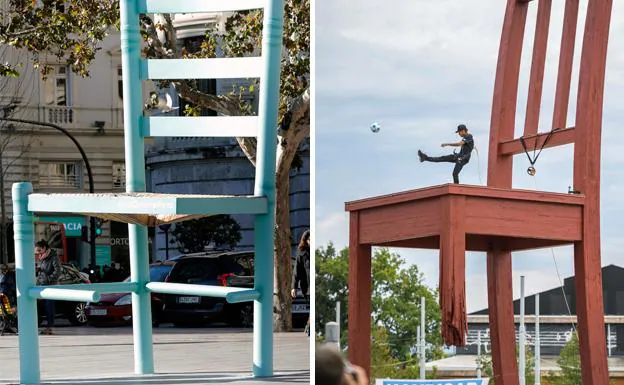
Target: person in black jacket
x=49, y=274
x=302, y=266
x=460, y=159
x=302, y=271
x=7, y=283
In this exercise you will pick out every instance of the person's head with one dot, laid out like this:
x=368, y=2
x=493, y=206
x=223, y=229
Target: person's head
x=4, y=269
x=304, y=242
x=462, y=130
x=330, y=366
x=41, y=247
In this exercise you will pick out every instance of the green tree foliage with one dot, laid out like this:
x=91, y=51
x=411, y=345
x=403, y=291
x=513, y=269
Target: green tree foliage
x=385, y=365
x=195, y=235
x=569, y=361
x=72, y=31
x=69, y=30
x=485, y=362
x=397, y=289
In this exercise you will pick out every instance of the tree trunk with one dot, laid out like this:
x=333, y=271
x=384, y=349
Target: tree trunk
x=287, y=150
x=283, y=258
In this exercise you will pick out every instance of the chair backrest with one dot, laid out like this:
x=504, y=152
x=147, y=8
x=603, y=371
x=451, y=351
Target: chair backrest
x=586, y=131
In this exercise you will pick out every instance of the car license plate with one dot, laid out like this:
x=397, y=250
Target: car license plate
x=299, y=308
x=188, y=299
x=98, y=312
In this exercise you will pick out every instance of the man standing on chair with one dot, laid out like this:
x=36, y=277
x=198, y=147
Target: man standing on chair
x=460, y=158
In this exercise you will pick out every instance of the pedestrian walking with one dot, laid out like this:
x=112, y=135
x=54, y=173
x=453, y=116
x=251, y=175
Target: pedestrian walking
x=302, y=271
x=49, y=274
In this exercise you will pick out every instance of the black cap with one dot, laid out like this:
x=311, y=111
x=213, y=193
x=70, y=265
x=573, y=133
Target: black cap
x=461, y=127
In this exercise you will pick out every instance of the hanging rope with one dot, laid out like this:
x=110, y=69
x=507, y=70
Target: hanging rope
x=478, y=165
x=531, y=170
x=552, y=251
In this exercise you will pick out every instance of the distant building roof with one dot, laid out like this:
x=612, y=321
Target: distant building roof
x=552, y=301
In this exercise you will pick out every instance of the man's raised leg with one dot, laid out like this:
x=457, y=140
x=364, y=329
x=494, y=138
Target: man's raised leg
x=436, y=159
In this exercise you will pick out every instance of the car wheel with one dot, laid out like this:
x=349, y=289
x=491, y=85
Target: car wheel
x=78, y=316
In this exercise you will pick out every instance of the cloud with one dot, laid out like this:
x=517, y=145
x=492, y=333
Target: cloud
x=333, y=227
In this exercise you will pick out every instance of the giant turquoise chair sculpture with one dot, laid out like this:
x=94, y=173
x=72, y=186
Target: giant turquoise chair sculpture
x=139, y=209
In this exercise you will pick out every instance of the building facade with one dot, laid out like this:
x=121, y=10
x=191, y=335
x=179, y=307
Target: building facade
x=90, y=109
x=557, y=308
x=216, y=165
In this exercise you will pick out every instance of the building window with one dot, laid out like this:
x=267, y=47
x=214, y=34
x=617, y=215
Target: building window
x=119, y=174
x=60, y=175
x=56, y=87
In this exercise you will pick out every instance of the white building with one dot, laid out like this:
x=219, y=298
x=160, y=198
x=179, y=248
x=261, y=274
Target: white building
x=90, y=109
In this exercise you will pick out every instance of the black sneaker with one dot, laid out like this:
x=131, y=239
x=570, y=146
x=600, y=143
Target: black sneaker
x=421, y=156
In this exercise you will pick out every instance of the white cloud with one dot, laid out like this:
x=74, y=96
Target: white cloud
x=333, y=227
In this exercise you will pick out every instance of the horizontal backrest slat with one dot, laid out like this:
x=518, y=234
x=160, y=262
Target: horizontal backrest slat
x=200, y=126
x=197, y=6
x=217, y=68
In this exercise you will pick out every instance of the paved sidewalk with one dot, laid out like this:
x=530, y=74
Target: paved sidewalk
x=85, y=355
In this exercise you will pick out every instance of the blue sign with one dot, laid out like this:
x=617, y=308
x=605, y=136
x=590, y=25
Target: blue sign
x=464, y=381
x=102, y=255
x=73, y=225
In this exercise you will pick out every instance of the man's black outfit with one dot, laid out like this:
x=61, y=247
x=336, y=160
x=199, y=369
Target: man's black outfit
x=49, y=274
x=460, y=159
x=302, y=272
x=7, y=285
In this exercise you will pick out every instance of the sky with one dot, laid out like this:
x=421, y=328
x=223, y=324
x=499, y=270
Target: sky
x=420, y=68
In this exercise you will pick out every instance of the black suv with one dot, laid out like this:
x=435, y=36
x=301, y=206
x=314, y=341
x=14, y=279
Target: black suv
x=210, y=268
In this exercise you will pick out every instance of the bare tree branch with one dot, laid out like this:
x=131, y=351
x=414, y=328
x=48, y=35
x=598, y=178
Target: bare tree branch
x=23, y=150
x=222, y=104
x=297, y=130
x=249, y=147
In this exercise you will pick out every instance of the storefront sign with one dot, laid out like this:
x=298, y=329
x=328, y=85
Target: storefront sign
x=120, y=241
x=73, y=225
x=102, y=255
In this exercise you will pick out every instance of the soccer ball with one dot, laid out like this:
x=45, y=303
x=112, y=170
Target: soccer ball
x=375, y=127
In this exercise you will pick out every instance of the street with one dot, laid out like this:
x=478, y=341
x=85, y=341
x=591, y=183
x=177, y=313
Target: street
x=211, y=355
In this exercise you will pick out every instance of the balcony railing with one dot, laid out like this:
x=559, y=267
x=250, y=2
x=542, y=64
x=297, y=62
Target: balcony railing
x=60, y=181
x=59, y=115
x=72, y=117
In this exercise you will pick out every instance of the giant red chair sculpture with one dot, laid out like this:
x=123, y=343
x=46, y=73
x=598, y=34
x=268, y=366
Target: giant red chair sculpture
x=498, y=219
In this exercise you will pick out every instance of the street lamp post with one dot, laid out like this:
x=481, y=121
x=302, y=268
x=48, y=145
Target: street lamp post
x=166, y=227
x=4, y=255
x=87, y=166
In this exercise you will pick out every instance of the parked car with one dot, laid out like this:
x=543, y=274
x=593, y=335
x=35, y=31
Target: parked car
x=210, y=268
x=116, y=308
x=73, y=311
